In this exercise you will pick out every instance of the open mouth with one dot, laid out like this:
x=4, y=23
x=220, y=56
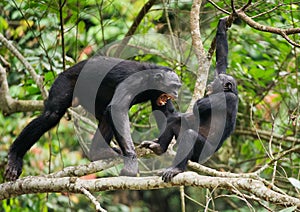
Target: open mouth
x=162, y=99
x=228, y=87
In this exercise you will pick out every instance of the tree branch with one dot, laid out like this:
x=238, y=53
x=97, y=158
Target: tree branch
x=8, y=105
x=218, y=8
x=37, y=78
x=31, y=185
x=204, y=63
x=134, y=26
x=266, y=135
x=85, y=169
x=93, y=200
x=283, y=32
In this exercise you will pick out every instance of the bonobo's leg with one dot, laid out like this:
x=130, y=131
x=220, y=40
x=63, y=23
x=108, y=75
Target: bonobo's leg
x=60, y=98
x=100, y=148
x=189, y=147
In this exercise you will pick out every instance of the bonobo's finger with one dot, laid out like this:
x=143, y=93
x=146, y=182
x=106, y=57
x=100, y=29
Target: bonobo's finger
x=145, y=144
x=153, y=145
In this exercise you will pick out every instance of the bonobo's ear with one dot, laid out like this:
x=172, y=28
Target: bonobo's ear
x=221, y=47
x=159, y=76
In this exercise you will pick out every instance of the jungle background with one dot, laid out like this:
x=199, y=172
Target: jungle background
x=53, y=35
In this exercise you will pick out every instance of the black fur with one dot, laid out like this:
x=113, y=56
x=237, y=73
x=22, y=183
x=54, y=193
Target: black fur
x=95, y=97
x=202, y=132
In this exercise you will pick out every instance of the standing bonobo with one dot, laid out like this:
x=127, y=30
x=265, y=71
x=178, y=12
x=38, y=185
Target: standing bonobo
x=92, y=83
x=202, y=132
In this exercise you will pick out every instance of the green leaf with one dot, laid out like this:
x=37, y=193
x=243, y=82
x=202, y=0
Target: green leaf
x=290, y=209
x=294, y=182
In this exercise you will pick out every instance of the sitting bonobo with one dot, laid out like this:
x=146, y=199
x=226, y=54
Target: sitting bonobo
x=94, y=84
x=202, y=132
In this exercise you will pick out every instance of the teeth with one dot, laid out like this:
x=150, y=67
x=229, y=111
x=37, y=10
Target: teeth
x=162, y=99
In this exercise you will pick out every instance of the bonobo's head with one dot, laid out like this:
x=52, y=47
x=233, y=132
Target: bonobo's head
x=222, y=83
x=169, y=83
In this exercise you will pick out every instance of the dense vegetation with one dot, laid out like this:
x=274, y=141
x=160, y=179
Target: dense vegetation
x=53, y=35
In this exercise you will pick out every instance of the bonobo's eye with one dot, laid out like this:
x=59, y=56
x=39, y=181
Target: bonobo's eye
x=159, y=76
x=228, y=86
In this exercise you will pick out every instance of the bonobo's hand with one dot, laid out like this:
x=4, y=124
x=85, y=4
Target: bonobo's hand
x=169, y=173
x=13, y=168
x=153, y=145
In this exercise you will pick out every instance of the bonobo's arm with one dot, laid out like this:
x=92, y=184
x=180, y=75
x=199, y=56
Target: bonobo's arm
x=119, y=119
x=160, y=145
x=125, y=95
x=221, y=46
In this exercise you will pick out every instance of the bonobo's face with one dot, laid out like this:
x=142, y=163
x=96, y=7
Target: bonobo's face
x=222, y=83
x=170, y=83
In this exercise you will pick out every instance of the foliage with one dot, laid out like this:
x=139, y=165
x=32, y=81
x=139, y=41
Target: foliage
x=265, y=65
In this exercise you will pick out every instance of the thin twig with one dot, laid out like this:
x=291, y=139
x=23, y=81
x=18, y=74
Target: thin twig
x=218, y=8
x=134, y=26
x=37, y=78
x=61, y=5
x=246, y=5
x=93, y=199
x=278, y=157
x=269, y=11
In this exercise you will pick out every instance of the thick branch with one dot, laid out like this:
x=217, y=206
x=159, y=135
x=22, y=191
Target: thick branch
x=85, y=169
x=37, y=78
x=204, y=63
x=72, y=184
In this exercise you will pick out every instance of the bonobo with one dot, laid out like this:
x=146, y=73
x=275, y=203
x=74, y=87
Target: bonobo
x=92, y=83
x=203, y=131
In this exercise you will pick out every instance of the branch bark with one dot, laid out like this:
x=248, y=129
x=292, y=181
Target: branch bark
x=31, y=185
x=8, y=105
x=204, y=63
x=37, y=78
x=283, y=32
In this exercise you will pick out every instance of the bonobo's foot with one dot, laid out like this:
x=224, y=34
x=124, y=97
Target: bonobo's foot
x=104, y=153
x=153, y=145
x=14, y=167
x=171, y=172
x=131, y=167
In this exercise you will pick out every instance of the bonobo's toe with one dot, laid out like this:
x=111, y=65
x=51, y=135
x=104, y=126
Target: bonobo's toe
x=14, y=168
x=170, y=173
